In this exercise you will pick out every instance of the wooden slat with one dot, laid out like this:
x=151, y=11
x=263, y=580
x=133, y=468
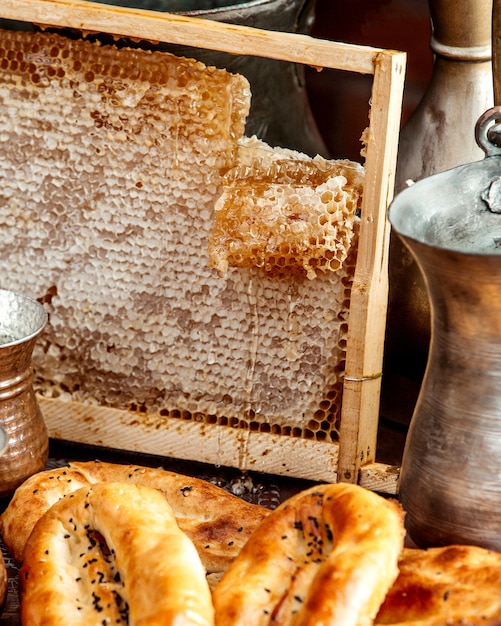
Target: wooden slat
x=219, y=445
x=367, y=321
x=380, y=477
x=178, y=29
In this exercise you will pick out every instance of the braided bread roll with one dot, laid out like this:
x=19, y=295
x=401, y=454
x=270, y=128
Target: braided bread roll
x=112, y=553
x=327, y=555
x=217, y=522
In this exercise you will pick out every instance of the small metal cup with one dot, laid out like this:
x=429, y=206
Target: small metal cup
x=26, y=444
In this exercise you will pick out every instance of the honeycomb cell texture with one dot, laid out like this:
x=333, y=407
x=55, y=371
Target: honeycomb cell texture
x=112, y=162
x=285, y=213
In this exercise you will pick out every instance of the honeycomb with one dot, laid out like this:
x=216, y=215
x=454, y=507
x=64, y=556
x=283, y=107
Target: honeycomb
x=112, y=161
x=284, y=212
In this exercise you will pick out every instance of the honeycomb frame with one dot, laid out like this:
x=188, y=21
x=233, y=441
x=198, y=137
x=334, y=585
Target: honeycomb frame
x=352, y=457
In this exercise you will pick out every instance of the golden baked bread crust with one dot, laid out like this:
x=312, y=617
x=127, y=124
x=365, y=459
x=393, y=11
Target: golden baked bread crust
x=325, y=556
x=113, y=553
x=446, y=586
x=216, y=521
x=3, y=582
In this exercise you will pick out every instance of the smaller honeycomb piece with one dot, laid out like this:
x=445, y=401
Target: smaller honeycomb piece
x=285, y=212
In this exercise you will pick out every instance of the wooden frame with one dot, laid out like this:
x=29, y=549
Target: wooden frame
x=353, y=459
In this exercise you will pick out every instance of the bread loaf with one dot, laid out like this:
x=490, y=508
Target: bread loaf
x=4, y=582
x=328, y=555
x=112, y=553
x=217, y=522
x=445, y=586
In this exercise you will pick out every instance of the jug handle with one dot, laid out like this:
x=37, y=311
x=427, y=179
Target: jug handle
x=487, y=135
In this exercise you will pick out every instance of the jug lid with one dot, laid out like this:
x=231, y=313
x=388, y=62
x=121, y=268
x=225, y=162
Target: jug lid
x=459, y=209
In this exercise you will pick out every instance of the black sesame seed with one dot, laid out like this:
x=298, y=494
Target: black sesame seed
x=95, y=601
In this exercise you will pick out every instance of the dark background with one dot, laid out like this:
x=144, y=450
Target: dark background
x=339, y=101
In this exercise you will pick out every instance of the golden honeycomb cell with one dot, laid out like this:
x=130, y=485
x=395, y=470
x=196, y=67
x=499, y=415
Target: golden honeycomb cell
x=285, y=212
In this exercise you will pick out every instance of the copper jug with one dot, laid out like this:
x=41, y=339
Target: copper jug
x=25, y=435
x=450, y=484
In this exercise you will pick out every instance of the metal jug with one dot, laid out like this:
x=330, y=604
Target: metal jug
x=450, y=483
x=432, y=141
x=24, y=433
